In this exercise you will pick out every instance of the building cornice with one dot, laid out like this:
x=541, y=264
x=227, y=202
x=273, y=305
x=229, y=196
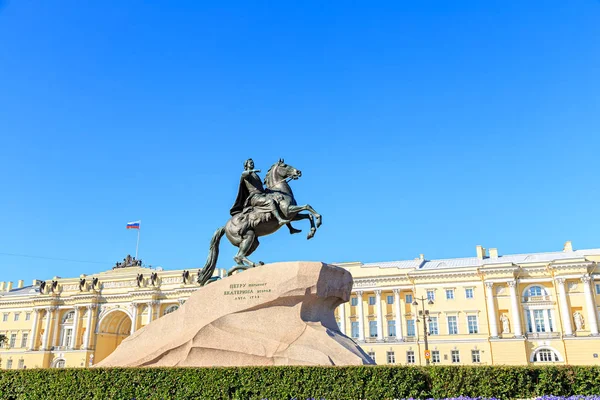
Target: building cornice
x=375, y=282
x=437, y=274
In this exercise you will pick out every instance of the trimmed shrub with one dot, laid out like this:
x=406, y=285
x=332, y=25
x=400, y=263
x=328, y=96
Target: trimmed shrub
x=362, y=382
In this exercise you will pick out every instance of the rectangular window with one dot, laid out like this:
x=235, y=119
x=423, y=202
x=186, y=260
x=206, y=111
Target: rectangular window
x=373, y=328
x=21, y=364
x=529, y=324
x=550, y=321
x=472, y=323
x=597, y=288
x=433, y=326
x=475, y=356
x=392, y=328
x=538, y=317
x=391, y=357
x=455, y=356
x=27, y=316
x=9, y=364
x=354, y=330
x=354, y=301
x=68, y=337
x=449, y=294
x=408, y=298
x=431, y=295
x=469, y=293
x=435, y=356
x=13, y=340
x=372, y=355
x=410, y=327
x=24, y=339
x=410, y=357
x=371, y=300
x=17, y=315
x=452, y=325
x=390, y=299
x=5, y=317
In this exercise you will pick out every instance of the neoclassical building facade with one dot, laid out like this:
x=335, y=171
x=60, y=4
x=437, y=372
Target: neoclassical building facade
x=489, y=309
x=77, y=322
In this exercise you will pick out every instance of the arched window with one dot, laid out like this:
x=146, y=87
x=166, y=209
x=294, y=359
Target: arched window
x=536, y=291
x=170, y=309
x=68, y=318
x=59, y=363
x=545, y=355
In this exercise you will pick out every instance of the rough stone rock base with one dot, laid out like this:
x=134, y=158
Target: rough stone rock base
x=276, y=314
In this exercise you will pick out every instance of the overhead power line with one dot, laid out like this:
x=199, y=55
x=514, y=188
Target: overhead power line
x=54, y=258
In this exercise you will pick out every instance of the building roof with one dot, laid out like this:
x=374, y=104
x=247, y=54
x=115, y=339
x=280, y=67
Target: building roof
x=24, y=291
x=396, y=264
x=466, y=262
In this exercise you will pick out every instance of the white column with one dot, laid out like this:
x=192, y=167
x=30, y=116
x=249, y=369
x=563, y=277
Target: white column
x=34, y=328
x=342, y=315
x=516, y=310
x=134, y=317
x=74, y=333
x=88, y=327
x=398, y=314
x=47, y=328
x=379, y=316
x=56, y=331
x=492, y=317
x=564, y=306
x=77, y=327
x=592, y=322
x=150, y=311
x=361, y=316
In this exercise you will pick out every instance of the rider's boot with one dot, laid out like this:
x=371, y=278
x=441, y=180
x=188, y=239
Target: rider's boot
x=275, y=212
x=292, y=229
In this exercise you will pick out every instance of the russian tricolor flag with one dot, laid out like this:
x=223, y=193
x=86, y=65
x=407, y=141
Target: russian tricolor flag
x=133, y=225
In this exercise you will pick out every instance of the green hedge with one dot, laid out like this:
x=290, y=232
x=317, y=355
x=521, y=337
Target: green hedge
x=369, y=382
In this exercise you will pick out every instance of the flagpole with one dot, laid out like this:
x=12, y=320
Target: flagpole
x=137, y=245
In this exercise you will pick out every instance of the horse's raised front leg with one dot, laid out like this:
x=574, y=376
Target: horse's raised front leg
x=307, y=207
x=309, y=217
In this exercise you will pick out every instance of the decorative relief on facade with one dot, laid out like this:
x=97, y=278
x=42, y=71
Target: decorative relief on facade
x=572, y=285
x=171, y=279
x=118, y=284
x=70, y=288
x=500, y=290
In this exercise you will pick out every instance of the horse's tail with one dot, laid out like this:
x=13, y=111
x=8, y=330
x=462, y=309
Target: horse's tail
x=213, y=254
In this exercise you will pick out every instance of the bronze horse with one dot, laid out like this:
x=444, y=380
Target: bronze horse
x=244, y=229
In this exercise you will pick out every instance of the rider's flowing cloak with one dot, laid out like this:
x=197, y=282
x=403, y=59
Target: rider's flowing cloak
x=240, y=200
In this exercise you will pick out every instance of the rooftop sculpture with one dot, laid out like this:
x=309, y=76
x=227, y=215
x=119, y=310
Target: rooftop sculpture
x=128, y=262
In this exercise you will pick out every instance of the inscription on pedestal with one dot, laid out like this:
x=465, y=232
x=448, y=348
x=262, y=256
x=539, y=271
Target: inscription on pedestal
x=245, y=291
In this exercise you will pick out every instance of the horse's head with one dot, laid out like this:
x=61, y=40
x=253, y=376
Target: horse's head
x=280, y=172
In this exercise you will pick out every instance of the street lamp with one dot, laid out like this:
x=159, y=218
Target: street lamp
x=425, y=314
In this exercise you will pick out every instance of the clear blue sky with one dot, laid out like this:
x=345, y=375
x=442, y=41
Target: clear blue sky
x=420, y=127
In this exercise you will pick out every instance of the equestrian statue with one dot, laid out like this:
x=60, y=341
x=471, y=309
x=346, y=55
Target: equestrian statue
x=259, y=211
